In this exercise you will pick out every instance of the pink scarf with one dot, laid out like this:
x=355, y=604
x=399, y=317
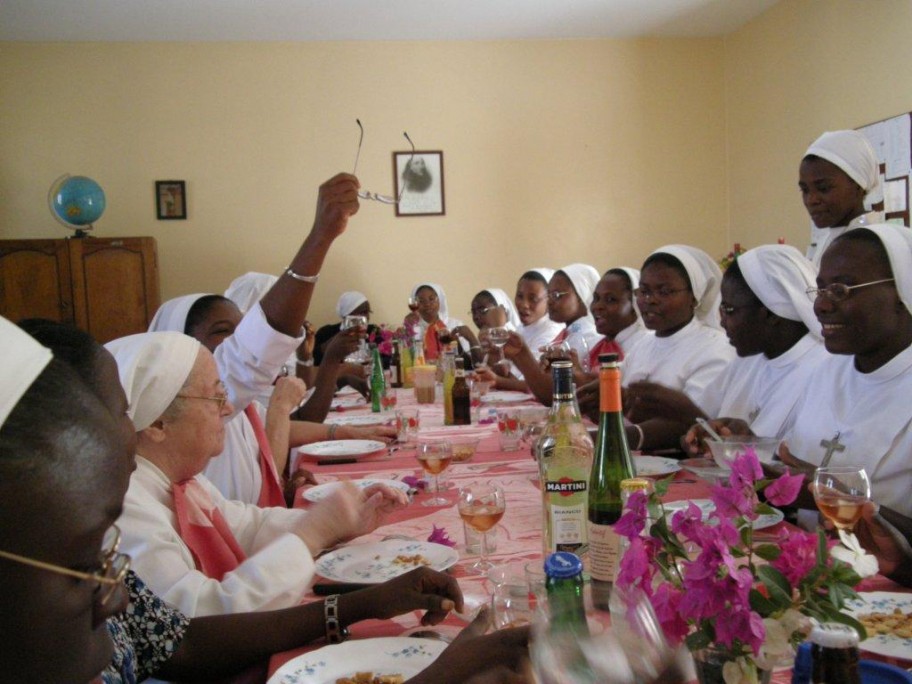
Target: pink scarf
x=205, y=531
x=271, y=490
x=561, y=336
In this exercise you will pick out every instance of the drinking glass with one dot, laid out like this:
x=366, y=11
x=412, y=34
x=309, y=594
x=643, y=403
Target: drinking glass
x=434, y=458
x=361, y=355
x=481, y=506
x=841, y=492
x=408, y=420
x=509, y=429
x=413, y=304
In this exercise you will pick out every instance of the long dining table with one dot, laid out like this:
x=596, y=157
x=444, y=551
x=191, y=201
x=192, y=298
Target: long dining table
x=518, y=535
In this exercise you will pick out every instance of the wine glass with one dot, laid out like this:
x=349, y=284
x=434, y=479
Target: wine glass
x=413, y=304
x=498, y=337
x=481, y=506
x=434, y=458
x=361, y=355
x=841, y=492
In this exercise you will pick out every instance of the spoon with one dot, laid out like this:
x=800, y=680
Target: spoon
x=712, y=433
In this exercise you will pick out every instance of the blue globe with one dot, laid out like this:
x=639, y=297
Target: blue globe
x=77, y=200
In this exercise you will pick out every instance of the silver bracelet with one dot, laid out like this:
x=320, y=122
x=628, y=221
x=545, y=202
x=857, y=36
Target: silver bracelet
x=641, y=439
x=307, y=363
x=332, y=431
x=301, y=278
x=335, y=632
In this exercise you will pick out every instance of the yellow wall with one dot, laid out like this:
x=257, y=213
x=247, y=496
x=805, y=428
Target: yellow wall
x=554, y=152
x=804, y=67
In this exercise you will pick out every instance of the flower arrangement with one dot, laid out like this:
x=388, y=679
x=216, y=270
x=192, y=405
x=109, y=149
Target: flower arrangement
x=383, y=338
x=730, y=258
x=714, y=586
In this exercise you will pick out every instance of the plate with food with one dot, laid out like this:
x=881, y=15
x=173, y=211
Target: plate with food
x=887, y=618
x=370, y=419
x=382, y=660
x=655, y=466
x=505, y=397
x=321, y=491
x=706, y=507
x=380, y=561
x=339, y=449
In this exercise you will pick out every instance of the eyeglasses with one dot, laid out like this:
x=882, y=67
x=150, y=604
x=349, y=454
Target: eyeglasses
x=658, y=295
x=220, y=399
x=108, y=578
x=482, y=310
x=728, y=310
x=556, y=296
x=366, y=195
x=839, y=292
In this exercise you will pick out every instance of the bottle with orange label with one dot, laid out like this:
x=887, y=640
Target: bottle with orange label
x=612, y=464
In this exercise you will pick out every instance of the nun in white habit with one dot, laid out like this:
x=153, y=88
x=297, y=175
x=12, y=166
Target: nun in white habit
x=678, y=299
x=859, y=398
x=839, y=178
x=579, y=332
x=201, y=553
x=536, y=327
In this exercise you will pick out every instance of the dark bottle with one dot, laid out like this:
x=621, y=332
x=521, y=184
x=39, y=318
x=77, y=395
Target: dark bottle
x=834, y=648
x=564, y=584
x=395, y=366
x=462, y=400
x=610, y=466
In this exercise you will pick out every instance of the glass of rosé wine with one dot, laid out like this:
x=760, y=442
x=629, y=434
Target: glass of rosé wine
x=841, y=492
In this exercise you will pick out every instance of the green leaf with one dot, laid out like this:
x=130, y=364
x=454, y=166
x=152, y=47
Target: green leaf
x=763, y=605
x=661, y=487
x=765, y=509
x=768, y=552
x=778, y=587
x=697, y=640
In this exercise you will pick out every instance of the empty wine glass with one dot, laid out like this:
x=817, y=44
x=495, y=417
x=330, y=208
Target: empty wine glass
x=361, y=355
x=840, y=493
x=435, y=457
x=481, y=506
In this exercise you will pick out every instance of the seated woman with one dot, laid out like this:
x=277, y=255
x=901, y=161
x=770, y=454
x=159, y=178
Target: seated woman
x=201, y=553
x=856, y=409
x=839, y=178
x=569, y=296
x=432, y=318
x=531, y=301
x=678, y=299
x=492, y=308
x=770, y=322
x=244, y=472
x=350, y=304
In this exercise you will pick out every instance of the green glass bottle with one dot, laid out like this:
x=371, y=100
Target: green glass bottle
x=611, y=465
x=377, y=382
x=564, y=584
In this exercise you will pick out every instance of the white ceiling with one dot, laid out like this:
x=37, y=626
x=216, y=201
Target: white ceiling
x=305, y=20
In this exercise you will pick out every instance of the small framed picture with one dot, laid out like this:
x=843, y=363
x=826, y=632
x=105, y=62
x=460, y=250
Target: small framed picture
x=419, y=183
x=171, y=200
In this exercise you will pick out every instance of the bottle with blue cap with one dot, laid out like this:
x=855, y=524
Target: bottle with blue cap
x=564, y=584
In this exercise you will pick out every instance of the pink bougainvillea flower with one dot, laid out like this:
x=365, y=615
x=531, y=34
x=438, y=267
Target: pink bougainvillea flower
x=633, y=521
x=667, y=601
x=743, y=625
x=745, y=469
x=637, y=567
x=799, y=555
x=439, y=536
x=784, y=489
x=734, y=502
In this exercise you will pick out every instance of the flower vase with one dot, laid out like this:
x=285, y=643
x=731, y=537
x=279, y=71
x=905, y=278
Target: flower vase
x=709, y=664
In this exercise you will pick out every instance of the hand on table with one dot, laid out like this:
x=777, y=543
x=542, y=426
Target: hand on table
x=380, y=433
x=437, y=593
x=298, y=479
x=694, y=442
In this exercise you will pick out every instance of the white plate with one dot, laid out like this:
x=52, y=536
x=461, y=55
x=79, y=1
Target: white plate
x=348, y=402
x=651, y=466
x=505, y=397
x=763, y=521
x=370, y=419
x=321, y=491
x=883, y=602
x=707, y=469
x=341, y=448
x=383, y=655
x=375, y=563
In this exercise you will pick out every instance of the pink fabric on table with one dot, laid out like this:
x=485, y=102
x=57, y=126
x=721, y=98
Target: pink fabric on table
x=204, y=530
x=271, y=494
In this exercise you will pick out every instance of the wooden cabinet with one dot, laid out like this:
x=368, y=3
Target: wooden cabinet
x=106, y=286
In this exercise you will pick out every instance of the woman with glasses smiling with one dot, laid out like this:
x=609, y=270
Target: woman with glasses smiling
x=531, y=301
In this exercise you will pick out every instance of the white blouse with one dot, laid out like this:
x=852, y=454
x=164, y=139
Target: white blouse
x=540, y=333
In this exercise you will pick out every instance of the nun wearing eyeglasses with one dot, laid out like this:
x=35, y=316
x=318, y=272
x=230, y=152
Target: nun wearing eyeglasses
x=839, y=179
x=678, y=299
x=569, y=297
x=856, y=408
x=200, y=552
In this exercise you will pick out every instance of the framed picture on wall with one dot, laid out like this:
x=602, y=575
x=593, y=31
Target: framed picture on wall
x=171, y=200
x=419, y=179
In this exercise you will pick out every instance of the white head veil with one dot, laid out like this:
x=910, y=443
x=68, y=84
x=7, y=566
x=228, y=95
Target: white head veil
x=501, y=298
x=584, y=278
x=21, y=362
x=545, y=273
x=443, y=312
x=851, y=152
x=248, y=289
x=779, y=276
x=172, y=315
x=705, y=278
x=153, y=367
x=897, y=241
x=634, y=275
x=348, y=302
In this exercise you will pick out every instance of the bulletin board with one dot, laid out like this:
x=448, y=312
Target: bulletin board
x=892, y=143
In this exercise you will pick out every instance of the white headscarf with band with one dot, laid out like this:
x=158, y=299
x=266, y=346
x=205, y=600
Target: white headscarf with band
x=248, y=289
x=897, y=241
x=851, y=152
x=348, y=302
x=779, y=276
x=584, y=278
x=705, y=278
x=172, y=315
x=21, y=362
x=153, y=367
x=442, y=311
x=545, y=273
x=501, y=299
